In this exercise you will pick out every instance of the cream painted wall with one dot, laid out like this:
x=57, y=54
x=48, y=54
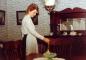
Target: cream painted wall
x=3, y=28
x=62, y=4
x=11, y=31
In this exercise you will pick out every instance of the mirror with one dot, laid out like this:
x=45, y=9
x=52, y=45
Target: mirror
x=73, y=24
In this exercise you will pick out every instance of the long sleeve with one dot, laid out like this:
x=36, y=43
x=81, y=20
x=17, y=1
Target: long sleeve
x=31, y=28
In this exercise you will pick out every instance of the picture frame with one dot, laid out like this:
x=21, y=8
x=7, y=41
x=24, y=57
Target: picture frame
x=20, y=15
x=2, y=17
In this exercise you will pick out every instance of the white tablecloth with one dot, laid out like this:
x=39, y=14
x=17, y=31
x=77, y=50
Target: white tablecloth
x=41, y=58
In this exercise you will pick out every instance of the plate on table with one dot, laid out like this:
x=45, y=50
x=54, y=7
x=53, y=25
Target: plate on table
x=41, y=58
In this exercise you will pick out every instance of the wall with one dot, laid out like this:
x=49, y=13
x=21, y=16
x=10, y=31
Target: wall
x=62, y=4
x=0, y=3
x=11, y=31
x=3, y=28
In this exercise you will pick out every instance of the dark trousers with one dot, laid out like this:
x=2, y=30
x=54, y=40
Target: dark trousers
x=23, y=48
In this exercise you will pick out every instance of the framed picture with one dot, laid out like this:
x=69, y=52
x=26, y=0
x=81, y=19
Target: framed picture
x=2, y=17
x=20, y=15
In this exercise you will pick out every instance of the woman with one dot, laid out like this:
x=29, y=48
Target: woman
x=29, y=32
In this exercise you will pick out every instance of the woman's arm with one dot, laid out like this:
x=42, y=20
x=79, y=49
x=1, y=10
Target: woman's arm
x=29, y=25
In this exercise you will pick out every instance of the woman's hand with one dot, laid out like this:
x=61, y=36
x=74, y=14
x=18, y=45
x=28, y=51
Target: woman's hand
x=46, y=40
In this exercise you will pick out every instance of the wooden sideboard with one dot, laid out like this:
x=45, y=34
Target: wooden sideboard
x=63, y=17
x=64, y=46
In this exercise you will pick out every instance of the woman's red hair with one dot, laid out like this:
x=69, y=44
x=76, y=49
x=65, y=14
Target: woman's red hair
x=31, y=7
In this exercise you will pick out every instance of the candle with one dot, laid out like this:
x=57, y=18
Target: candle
x=71, y=27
